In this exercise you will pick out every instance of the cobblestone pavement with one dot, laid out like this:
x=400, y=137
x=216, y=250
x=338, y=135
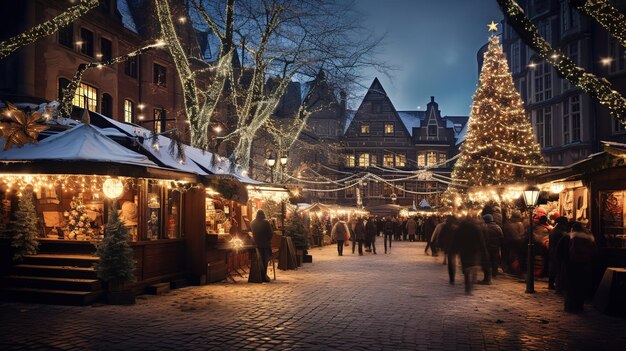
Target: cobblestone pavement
x=398, y=301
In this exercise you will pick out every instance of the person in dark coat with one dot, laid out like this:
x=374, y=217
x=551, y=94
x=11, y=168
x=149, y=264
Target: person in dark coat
x=397, y=229
x=514, y=243
x=493, y=241
x=262, y=235
x=445, y=243
x=359, y=236
x=388, y=230
x=556, y=234
x=470, y=244
x=405, y=230
x=371, y=230
x=427, y=231
x=582, y=249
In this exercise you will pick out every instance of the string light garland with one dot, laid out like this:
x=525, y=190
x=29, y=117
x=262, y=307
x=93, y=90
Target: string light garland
x=599, y=88
x=47, y=28
x=498, y=130
x=70, y=91
x=605, y=14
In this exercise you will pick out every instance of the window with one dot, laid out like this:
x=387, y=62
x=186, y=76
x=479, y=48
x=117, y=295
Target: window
x=377, y=107
x=351, y=192
x=63, y=83
x=130, y=67
x=350, y=161
x=539, y=127
x=365, y=129
x=543, y=82
x=545, y=30
x=617, y=55
x=106, y=107
x=373, y=160
x=540, y=6
x=388, y=128
x=572, y=51
x=421, y=160
x=618, y=127
x=160, y=120
x=569, y=17
x=86, y=42
x=566, y=123
x=432, y=130
x=401, y=159
x=515, y=57
x=364, y=160
x=575, y=111
x=443, y=157
x=159, y=77
x=66, y=36
x=106, y=49
x=547, y=119
x=388, y=160
x=431, y=159
x=86, y=92
x=129, y=111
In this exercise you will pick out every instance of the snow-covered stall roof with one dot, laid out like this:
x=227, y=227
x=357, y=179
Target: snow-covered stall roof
x=80, y=143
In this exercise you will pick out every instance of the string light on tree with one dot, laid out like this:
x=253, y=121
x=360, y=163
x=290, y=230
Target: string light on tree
x=606, y=14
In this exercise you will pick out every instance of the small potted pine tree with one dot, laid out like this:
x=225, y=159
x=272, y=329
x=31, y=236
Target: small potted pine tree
x=296, y=229
x=25, y=227
x=116, y=264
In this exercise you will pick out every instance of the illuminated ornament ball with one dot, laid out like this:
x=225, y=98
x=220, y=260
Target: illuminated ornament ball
x=113, y=188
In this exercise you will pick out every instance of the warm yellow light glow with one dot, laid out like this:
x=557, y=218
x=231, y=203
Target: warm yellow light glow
x=606, y=61
x=113, y=188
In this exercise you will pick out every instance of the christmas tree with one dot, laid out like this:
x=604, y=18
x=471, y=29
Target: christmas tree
x=78, y=221
x=317, y=229
x=499, y=146
x=25, y=228
x=295, y=228
x=116, y=263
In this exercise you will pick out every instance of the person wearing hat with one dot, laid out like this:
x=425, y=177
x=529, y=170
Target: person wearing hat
x=493, y=240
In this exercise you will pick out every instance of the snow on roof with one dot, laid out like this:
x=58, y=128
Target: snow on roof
x=411, y=119
x=424, y=203
x=127, y=16
x=460, y=137
x=81, y=143
x=349, y=117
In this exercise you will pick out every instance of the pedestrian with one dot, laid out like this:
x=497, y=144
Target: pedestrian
x=370, y=233
x=445, y=242
x=493, y=241
x=427, y=231
x=405, y=230
x=556, y=234
x=397, y=229
x=513, y=244
x=434, y=247
x=582, y=249
x=359, y=235
x=388, y=230
x=340, y=233
x=411, y=227
x=541, y=236
x=380, y=223
x=470, y=244
x=262, y=235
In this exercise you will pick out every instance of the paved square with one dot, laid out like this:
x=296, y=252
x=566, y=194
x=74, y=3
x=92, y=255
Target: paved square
x=398, y=301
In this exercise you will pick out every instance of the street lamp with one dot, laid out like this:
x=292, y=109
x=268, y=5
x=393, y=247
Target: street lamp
x=271, y=162
x=531, y=195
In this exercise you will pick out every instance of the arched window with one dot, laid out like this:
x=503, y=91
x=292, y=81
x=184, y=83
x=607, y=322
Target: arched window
x=107, y=105
x=129, y=111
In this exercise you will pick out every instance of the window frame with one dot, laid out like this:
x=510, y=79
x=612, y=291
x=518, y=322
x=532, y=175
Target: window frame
x=364, y=159
x=387, y=130
x=365, y=129
x=103, y=105
x=131, y=67
x=62, y=35
x=400, y=159
x=127, y=103
x=159, y=79
x=350, y=160
x=87, y=38
x=108, y=56
x=388, y=160
x=92, y=96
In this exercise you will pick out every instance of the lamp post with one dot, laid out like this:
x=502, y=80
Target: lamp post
x=283, y=204
x=531, y=195
x=271, y=163
x=283, y=164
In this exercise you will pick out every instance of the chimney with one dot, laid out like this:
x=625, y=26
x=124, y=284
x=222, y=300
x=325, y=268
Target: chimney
x=432, y=99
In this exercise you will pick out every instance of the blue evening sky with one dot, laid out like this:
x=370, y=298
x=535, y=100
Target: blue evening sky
x=433, y=43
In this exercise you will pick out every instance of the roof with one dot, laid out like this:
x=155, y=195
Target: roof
x=80, y=143
x=460, y=137
x=412, y=119
x=127, y=16
x=349, y=117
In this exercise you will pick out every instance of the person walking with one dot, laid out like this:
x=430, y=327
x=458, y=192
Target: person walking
x=411, y=228
x=582, y=249
x=494, y=237
x=359, y=235
x=388, y=230
x=470, y=244
x=405, y=230
x=513, y=244
x=340, y=233
x=445, y=242
x=371, y=230
x=262, y=235
x=556, y=234
x=397, y=229
x=427, y=231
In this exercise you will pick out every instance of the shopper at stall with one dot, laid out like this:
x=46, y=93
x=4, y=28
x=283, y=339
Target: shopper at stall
x=541, y=237
x=582, y=249
x=340, y=233
x=493, y=241
x=262, y=235
x=560, y=230
x=371, y=231
x=359, y=235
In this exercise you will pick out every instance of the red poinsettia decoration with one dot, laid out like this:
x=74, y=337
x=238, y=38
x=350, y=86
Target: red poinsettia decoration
x=20, y=128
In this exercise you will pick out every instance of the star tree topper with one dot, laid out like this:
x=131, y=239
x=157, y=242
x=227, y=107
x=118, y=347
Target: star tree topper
x=493, y=26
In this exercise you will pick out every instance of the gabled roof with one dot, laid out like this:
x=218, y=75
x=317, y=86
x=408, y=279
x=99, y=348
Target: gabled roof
x=349, y=117
x=412, y=119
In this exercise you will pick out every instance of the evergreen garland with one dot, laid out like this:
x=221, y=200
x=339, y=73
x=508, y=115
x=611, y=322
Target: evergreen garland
x=25, y=228
x=294, y=227
x=116, y=263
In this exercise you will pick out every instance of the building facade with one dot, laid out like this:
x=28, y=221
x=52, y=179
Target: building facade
x=144, y=90
x=568, y=123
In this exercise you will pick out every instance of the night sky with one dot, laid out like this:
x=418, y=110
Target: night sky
x=433, y=43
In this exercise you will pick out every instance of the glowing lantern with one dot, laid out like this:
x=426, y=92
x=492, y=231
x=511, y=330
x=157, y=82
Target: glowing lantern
x=113, y=188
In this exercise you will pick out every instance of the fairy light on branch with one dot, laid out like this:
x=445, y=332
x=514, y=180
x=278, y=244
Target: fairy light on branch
x=47, y=28
x=606, y=14
x=70, y=91
x=599, y=88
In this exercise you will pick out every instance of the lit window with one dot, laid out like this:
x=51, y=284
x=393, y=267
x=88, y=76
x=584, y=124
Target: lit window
x=364, y=160
x=388, y=128
x=129, y=111
x=365, y=128
x=373, y=160
x=350, y=161
x=421, y=160
x=400, y=160
x=388, y=160
x=432, y=159
x=159, y=77
x=86, y=92
x=443, y=157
